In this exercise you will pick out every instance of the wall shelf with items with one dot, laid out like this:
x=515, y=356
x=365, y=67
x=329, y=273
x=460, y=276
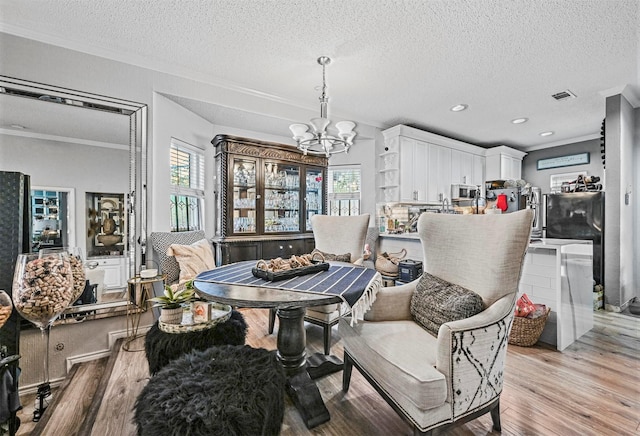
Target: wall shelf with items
x=106, y=224
x=49, y=219
x=389, y=170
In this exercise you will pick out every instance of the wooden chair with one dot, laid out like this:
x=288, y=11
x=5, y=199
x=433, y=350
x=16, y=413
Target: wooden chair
x=334, y=235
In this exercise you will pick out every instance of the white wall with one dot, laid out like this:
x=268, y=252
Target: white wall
x=620, y=230
x=79, y=167
x=173, y=120
x=635, y=199
x=541, y=178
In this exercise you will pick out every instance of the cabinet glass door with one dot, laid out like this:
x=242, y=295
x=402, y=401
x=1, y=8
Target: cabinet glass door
x=313, y=204
x=244, y=195
x=281, y=197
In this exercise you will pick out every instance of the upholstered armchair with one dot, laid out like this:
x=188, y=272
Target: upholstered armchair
x=334, y=235
x=454, y=372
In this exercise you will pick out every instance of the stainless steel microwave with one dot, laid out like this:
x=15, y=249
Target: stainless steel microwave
x=459, y=191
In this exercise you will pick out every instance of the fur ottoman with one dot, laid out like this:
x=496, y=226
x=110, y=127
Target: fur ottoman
x=161, y=347
x=224, y=390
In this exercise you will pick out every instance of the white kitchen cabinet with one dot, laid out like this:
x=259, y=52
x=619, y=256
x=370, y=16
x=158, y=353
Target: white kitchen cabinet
x=427, y=165
x=461, y=167
x=504, y=163
x=413, y=173
x=477, y=175
x=439, y=177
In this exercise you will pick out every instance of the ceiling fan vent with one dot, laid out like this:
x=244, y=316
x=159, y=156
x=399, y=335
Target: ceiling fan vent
x=563, y=95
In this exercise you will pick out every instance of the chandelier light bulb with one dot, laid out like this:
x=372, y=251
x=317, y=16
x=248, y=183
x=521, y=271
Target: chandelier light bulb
x=320, y=125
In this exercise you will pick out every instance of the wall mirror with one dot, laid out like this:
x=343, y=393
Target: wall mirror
x=93, y=148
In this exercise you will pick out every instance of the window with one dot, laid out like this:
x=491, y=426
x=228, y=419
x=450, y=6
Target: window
x=344, y=190
x=187, y=186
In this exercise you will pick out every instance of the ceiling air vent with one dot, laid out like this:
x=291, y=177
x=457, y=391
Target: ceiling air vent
x=563, y=95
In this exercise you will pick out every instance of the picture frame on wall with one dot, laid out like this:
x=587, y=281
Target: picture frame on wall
x=564, y=161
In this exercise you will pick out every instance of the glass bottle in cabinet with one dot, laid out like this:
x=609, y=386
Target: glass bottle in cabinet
x=281, y=197
x=313, y=203
x=244, y=195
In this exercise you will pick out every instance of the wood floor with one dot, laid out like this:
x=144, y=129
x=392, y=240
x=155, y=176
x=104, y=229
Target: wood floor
x=592, y=388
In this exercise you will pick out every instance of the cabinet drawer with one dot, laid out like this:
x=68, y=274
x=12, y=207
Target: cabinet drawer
x=284, y=249
x=237, y=252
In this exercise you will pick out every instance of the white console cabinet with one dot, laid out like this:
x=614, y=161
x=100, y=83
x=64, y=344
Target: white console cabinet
x=115, y=276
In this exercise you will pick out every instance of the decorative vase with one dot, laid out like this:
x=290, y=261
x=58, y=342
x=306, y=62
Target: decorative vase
x=42, y=289
x=171, y=316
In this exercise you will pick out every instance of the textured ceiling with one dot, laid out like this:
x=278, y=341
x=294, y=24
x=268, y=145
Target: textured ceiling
x=393, y=61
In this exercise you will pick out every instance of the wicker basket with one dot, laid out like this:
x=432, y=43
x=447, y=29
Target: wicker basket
x=387, y=263
x=525, y=332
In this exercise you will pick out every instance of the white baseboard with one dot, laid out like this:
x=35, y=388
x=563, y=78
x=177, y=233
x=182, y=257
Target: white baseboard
x=88, y=357
x=32, y=389
x=117, y=334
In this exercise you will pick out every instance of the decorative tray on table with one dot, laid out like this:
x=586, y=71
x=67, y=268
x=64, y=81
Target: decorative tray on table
x=217, y=314
x=283, y=269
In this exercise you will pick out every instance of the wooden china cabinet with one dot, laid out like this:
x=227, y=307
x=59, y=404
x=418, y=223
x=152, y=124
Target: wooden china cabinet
x=266, y=194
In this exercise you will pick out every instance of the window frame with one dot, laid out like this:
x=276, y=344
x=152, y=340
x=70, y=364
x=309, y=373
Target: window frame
x=352, y=200
x=193, y=193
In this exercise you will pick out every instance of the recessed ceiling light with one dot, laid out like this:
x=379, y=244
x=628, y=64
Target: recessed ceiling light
x=519, y=120
x=549, y=133
x=459, y=107
x=18, y=126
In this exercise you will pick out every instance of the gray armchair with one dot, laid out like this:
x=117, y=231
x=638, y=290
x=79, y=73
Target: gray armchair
x=161, y=241
x=435, y=381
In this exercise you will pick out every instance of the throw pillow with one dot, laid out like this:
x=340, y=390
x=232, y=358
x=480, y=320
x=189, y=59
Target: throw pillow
x=436, y=301
x=333, y=257
x=193, y=259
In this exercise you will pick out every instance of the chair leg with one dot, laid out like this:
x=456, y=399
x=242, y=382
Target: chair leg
x=346, y=372
x=495, y=416
x=327, y=339
x=272, y=319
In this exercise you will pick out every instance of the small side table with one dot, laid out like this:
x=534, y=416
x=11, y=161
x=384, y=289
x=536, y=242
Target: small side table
x=140, y=290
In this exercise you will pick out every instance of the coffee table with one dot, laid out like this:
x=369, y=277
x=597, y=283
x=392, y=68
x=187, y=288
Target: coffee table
x=291, y=343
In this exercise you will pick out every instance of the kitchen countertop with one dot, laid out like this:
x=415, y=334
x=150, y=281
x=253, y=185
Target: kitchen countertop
x=548, y=243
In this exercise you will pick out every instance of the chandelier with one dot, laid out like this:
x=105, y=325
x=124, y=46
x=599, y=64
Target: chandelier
x=318, y=141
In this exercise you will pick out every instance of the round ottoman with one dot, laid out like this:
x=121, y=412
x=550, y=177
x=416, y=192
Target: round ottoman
x=224, y=390
x=161, y=347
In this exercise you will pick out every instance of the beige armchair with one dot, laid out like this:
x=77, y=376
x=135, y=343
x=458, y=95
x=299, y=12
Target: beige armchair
x=435, y=382
x=333, y=235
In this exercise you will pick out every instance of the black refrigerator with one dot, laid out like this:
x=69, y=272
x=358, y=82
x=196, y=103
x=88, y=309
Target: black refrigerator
x=579, y=215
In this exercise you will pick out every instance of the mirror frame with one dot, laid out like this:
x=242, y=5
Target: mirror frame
x=137, y=113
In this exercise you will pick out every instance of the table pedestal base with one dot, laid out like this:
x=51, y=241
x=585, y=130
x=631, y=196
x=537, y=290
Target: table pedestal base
x=291, y=351
x=319, y=365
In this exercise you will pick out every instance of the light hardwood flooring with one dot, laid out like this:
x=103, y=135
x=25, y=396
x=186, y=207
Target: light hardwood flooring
x=592, y=388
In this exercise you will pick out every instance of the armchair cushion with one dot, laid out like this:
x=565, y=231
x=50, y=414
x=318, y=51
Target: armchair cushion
x=340, y=234
x=436, y=301
x=193, y=259
x=402, y=357
x=160, y=241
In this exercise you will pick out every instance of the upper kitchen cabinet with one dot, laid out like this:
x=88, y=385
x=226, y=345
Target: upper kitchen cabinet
x=266, y=194
x=419, y=166
x=504, y=163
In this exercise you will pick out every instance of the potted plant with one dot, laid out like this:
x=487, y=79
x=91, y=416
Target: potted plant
x=171, y=303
